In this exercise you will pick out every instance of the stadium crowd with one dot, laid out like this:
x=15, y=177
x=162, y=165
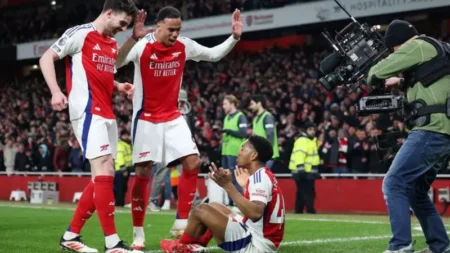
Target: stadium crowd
x=35, y=138
x=49, y=22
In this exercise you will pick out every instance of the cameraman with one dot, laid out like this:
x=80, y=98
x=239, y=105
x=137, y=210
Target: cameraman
x=427, y=146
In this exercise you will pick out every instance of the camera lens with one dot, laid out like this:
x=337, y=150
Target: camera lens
x=329, y=82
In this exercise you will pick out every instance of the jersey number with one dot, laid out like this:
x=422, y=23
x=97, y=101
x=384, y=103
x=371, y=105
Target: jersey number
x=277, y=216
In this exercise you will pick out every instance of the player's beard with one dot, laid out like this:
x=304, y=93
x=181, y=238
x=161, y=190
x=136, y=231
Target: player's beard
x=113, y=31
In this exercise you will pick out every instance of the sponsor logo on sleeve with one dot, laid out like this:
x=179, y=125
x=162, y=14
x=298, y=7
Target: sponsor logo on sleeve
x=259, y=193
x=62, y=41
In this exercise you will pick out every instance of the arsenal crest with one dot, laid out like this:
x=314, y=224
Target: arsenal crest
x=249, y=20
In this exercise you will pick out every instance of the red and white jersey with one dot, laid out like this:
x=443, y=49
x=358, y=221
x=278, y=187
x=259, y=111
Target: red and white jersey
x=158, y=73
x=263, y=186
x=90, y=68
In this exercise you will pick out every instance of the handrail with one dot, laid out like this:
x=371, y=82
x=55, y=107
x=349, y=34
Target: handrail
x=281, y=175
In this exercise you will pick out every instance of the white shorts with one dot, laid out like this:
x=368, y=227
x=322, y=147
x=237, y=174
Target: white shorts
x=162, y=142
x=97, y=136
x=239, y=238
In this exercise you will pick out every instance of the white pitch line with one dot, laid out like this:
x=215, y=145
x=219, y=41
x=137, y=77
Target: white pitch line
x=284, y=244
x=337, y=220
x=121, y=211
x=419, y=228
x=337, y=240
x=322, y=241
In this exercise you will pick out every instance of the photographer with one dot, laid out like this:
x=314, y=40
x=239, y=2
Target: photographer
x=427, y=146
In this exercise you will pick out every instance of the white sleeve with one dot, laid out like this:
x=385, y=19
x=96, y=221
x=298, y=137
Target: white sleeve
x=260, y=188
x=132, y=56
x=135, y=53
x=70, y=42
x=197, y=52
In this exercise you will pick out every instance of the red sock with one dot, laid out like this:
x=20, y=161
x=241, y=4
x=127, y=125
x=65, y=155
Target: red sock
x=204, y=240
x=139, y=200
x=84, y=211
x=187, y=239
x=104, y=203
x=186, y=192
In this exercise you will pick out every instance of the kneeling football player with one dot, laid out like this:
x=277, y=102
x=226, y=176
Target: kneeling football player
x=261, y=229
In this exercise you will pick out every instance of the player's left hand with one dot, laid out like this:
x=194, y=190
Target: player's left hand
x=139, y=30
x=221, y=176
x=127, y=88
x=236, y=24
x=242, y=176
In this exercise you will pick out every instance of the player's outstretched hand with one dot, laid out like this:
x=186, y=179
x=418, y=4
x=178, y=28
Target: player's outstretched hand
x=59, y=101
x=127, y=88
x=242, y=176
x=236, y=24
x=139, y=30
x=221, y=176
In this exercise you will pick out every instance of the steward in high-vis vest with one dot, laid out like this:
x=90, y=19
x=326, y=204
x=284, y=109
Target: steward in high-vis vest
x=304, y=164
x=232, y=140
x=233, y=135
x=264, y=125
x=123, y=166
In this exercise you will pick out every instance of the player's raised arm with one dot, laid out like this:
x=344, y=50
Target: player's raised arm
x=198, y=52
x=139, y=32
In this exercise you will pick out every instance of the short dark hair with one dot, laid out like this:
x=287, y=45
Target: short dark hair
x=168, y=12
x=262, y=147
x=259, y=98
x=124, y=132
x=127, y=6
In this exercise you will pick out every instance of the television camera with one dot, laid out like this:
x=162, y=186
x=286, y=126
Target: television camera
x=357, y=48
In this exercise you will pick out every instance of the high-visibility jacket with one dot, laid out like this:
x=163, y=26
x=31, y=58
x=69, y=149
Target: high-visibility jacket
x=174, y=176
x=124, y=156
x=231, y=144
x=259, y=130
x=305, y=155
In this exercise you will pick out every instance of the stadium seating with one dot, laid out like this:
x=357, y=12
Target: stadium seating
x=294, y=96
x=50, y=21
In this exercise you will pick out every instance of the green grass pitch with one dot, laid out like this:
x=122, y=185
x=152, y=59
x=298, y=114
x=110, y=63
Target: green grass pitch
x=26, y=228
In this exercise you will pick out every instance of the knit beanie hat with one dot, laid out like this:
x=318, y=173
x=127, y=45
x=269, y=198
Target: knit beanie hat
x=398, y=32
x=309, y=124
